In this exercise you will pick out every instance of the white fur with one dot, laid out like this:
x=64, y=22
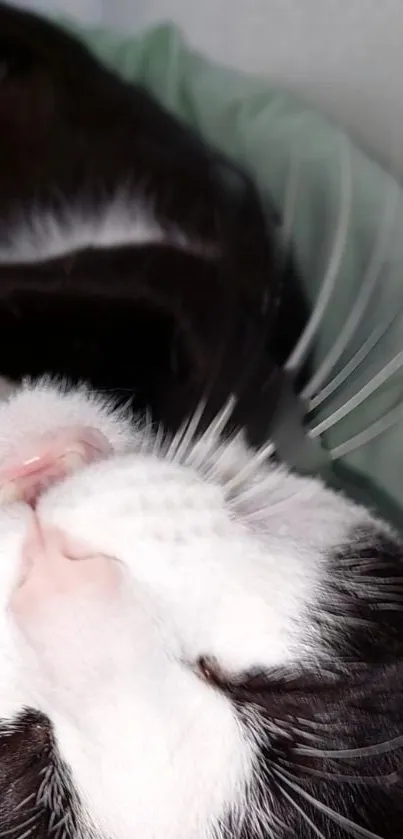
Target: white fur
x=6, y=388
x=39, y=236
x=36, y=408
x=220, y=554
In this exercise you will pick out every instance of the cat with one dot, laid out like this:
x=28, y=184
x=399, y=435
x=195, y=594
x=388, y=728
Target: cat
x=132, y=255
x=194, y=642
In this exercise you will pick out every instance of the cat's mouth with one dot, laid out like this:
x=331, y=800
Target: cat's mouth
x=49, y=459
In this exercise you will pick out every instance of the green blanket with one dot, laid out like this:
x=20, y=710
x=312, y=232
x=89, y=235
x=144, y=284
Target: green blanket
x=345, y=217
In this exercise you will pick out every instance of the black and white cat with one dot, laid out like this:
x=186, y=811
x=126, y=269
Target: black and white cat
x=194, y=643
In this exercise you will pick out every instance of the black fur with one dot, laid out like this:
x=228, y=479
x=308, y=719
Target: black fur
x=166, y=327
x=36, y=794
x=333, y=733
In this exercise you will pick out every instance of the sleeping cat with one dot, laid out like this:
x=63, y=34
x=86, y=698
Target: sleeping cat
x=194, y=643
x=132, y=255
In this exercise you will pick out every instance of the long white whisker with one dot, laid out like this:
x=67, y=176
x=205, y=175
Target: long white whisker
x=158, y=439
x=393, y=417
x=365, y=751
x=288, y=218
x=358, y=310
x=197, y=454
x=214, y=468
x=351, y=827
x=181, y=441
x=26, y=834
x=358, y=398
x=257, y=495
x=390, y=778
x=317, y=725
x=218, y=424
x=354, y=362
x=290, y=197
x=28, y=823
x=258, y=458
x=302, y=813
x=24, y=802
x=300, y=351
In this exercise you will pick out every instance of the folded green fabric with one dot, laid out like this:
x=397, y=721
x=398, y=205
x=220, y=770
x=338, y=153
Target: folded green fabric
x=345, y=216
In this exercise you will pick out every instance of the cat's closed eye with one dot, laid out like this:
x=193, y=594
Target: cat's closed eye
x=211, y=671
x=208, y=669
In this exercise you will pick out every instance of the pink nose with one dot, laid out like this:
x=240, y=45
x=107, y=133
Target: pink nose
x=48, y=459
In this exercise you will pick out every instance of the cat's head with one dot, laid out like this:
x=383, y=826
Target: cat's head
x=193, y=642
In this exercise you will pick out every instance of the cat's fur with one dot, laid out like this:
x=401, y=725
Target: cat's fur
x=246, y=679
x=131, y=254
x=240, y=672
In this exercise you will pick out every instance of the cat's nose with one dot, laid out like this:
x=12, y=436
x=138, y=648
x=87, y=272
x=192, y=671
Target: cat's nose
x=49, y=459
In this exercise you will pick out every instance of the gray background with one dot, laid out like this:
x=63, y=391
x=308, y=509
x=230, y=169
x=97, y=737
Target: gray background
x=344, y=55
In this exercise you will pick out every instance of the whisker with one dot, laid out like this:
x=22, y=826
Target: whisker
x=287, y=225
x=209, y=438
x=159, y=437
x=290, y=196
x=184, y=437
x=300, y=351
x=351, y=827
x=358, y=398
x=259, y=492
x=359, y=307
x=365, y=751
x=302, y=813
x=354, y=362
x=258, y=458
x=216, y=467
x=375, y=429
x=367, y=780
x=218, y=424
x=309, y=723
x=147, y=438
x=24, y=802
x=29, y=823
x=299, y=731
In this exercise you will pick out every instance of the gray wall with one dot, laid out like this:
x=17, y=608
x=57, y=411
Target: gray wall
x=345, y=55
